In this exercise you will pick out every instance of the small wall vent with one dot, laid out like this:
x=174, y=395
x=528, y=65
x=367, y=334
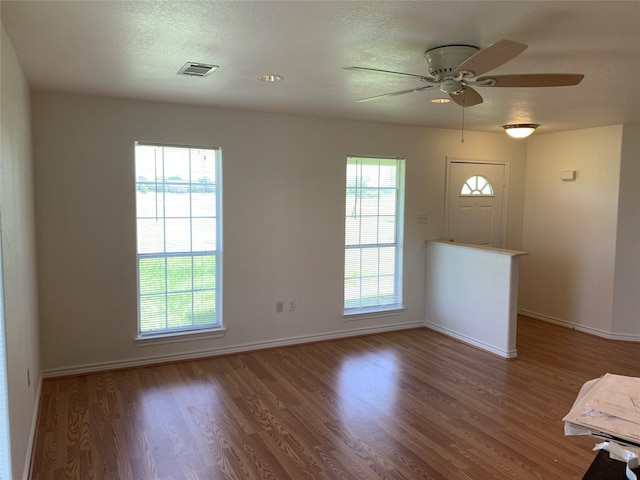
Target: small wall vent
x=193, y=69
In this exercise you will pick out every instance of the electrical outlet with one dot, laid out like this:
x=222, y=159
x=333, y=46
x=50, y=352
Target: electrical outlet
x=291, y=305
x=279, y=306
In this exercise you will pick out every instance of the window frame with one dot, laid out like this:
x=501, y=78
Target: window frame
x=192, y=331
x=396, y=306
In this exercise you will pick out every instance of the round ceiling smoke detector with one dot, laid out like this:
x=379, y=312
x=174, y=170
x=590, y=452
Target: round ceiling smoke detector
x=443, y=61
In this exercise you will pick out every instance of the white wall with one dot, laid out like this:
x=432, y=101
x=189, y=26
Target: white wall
x=471, y=294
x=283, y=219
x=570, y=228
x=18, y=256
x=626, y=296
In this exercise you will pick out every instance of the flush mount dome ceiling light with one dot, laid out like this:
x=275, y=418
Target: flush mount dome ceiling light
x=520, y=130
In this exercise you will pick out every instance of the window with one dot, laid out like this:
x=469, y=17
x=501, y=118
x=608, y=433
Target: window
x=373, y=235
x=477, y=185
x=179, y=238
x=5, y=441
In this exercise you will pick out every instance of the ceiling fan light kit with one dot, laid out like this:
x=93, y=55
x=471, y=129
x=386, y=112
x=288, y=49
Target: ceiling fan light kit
x=520, y=130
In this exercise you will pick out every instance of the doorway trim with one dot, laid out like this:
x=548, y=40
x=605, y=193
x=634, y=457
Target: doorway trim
x=447, y=188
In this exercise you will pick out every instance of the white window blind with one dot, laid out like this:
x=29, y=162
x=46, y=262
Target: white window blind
x=179, y=237
x=373, y=234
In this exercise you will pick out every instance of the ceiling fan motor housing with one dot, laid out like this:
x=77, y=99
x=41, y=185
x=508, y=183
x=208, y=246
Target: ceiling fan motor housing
x=443, y=61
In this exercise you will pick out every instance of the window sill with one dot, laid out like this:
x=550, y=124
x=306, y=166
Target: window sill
x=372, y=313
x=181, y=336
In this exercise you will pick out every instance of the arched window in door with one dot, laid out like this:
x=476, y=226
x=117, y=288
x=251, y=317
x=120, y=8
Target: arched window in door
x=477, y=185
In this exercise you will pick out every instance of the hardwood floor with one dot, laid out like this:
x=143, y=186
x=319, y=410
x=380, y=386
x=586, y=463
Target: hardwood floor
x=404, y=405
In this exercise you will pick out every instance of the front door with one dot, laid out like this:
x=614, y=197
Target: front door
x=475, y=203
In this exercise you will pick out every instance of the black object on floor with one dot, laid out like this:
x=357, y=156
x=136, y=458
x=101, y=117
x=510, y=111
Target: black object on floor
x=604, y=468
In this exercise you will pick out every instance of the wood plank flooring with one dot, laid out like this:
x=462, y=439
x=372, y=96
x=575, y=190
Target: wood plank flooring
x=404, y=405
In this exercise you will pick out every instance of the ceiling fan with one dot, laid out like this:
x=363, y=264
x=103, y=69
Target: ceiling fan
x=455, y=70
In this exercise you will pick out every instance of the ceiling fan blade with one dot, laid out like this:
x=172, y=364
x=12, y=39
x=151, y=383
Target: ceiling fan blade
x=389, y=72
x=467, y=98
x=533, y=80
x=393, y=94
x=491, y=57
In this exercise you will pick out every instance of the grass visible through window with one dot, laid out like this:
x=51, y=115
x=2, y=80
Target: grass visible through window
x=169, y=300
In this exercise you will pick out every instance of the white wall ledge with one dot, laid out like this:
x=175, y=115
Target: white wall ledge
x=501, y=251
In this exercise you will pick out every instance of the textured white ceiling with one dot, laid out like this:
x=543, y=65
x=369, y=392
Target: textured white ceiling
x=133, y=49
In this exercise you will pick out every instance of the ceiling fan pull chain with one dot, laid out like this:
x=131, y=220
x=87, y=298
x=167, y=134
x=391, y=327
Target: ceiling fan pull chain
x=462, y=138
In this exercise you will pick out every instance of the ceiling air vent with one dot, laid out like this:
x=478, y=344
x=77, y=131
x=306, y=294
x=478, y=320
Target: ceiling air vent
x=193, y=69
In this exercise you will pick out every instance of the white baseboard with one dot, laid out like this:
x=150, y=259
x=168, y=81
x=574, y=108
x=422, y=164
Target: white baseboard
x=626, y=337
x=195, y=354
x=471, y=341
x=32, y=434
